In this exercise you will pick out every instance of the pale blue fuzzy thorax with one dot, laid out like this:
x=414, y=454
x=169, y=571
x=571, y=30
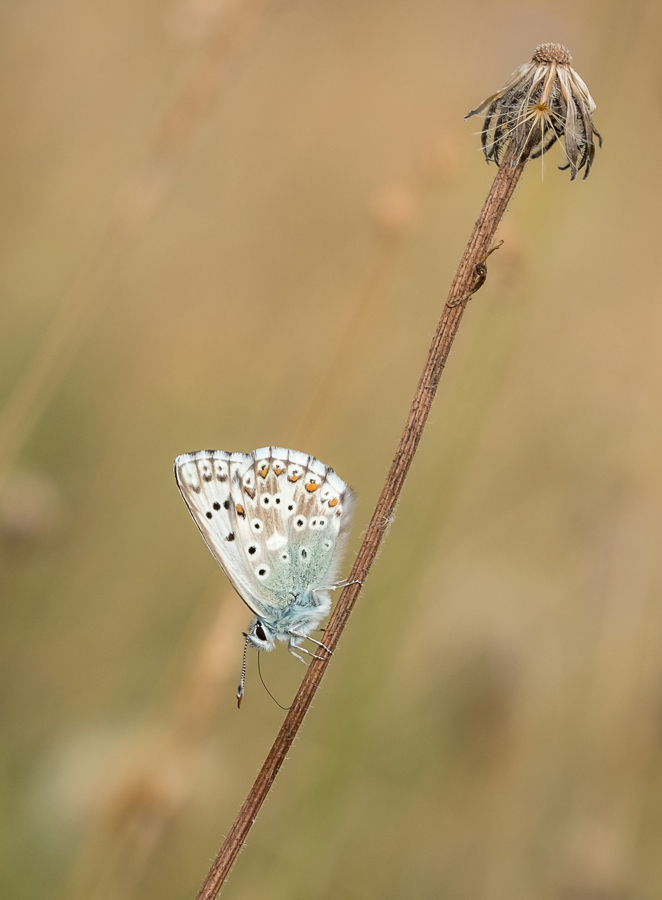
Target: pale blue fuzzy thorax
x=302, y=616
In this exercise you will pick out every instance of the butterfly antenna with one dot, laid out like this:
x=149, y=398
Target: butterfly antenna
x=265, y=687
x=240, y=689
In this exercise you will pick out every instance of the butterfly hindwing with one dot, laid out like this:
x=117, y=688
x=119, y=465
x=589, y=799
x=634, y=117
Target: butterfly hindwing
x=299, y=530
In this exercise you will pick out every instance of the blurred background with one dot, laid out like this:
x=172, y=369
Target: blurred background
x=233, y=223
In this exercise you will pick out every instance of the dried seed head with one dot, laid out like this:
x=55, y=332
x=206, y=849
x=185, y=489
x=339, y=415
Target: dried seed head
x=544, y=101
x=546, y=54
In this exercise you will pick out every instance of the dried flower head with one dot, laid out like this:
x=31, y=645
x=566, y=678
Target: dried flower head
x=544, y=101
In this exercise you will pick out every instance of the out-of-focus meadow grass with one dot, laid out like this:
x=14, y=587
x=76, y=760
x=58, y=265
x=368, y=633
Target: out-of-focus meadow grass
x=231, y=223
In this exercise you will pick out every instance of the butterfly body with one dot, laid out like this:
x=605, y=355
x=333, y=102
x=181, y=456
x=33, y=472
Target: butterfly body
x=275, y=521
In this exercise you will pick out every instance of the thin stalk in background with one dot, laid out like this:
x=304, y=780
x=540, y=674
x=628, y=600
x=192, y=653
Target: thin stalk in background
x=136, y=204
x=140, y=806
x=544, y=101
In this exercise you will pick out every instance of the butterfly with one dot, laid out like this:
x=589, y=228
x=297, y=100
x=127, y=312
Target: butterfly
x=276, y=522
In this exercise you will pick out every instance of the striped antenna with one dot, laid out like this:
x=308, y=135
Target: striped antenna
x=240, y=689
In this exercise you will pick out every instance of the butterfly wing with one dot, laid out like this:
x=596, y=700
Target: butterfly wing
x=208, y=483
x=298, y=513
x=288, y=515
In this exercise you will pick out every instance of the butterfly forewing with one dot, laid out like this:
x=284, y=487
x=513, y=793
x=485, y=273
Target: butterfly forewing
x=288, y=514
x=207, y=481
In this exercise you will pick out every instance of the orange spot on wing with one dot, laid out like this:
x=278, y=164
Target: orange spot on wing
x=333, y=502
x=278, y=470
x=240, y=511
x=262, y=472
x=311, y=487
x=294, y=477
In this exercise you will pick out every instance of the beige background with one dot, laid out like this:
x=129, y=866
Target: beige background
x=231, y=223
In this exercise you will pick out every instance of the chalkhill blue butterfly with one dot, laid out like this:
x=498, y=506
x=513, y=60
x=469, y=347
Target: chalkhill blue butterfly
x=276, y=521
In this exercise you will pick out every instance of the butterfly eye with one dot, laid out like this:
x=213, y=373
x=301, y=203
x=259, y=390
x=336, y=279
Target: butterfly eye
x=260, y=632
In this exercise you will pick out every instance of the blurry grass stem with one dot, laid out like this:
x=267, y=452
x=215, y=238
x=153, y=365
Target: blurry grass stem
x=141, y=798
x=136, y=204
x=143, y=793
x=469, y=278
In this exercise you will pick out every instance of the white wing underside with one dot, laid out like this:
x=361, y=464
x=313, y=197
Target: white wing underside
x=275, y=520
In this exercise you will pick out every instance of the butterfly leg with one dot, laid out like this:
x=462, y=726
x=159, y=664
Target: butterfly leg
x=307, y=637
x=323, y=646
x=332, y=587
x=343, y=584
x=291, y=647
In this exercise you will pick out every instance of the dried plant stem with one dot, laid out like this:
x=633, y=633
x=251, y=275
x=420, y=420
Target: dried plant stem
x=468, y=279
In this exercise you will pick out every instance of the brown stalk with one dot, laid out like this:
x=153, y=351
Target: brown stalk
x=469, y=278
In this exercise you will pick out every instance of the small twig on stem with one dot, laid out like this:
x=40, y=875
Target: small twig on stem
x=469, y=278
